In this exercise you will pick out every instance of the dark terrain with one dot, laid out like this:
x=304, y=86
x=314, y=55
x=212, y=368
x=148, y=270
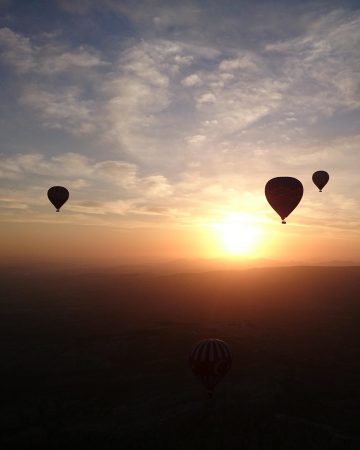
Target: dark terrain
x=99, y=360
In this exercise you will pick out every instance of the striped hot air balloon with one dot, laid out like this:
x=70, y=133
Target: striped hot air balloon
x=210, y=360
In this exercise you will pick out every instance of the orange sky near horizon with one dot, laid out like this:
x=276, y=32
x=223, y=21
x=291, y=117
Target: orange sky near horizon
x=96, y=246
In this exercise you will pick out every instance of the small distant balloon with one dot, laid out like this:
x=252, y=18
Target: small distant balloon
x=320, y=179
x=58, y=195
x=284, y=194
x=210, y=360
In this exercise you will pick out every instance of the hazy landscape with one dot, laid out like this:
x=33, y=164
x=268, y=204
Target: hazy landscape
x=98, y=359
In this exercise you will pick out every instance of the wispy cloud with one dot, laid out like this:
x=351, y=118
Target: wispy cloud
x=64, y=109
x=17, y=50
x=47, y=59
x=321, y=66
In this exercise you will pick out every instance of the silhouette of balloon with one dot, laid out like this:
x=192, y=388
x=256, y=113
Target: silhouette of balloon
x=320, y=179
x=58, y=195
x=284, y=194
x=210, y=360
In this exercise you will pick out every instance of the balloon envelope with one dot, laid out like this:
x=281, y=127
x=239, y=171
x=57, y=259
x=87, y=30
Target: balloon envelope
x=320, y=179
x=58, y=195
x=210, y=360
x=284, y=194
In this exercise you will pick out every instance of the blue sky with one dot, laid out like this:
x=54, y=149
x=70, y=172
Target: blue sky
x=178, y=112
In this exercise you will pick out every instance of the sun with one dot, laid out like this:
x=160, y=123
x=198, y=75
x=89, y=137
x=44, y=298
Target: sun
x=237, y=235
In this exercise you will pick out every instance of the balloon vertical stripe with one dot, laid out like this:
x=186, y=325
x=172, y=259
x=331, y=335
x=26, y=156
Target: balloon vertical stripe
x=210, y=360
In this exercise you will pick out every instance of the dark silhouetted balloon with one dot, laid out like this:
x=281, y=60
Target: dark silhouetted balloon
x=320, y=179
x=210, y=360
x=58, y=195
x=284, y=194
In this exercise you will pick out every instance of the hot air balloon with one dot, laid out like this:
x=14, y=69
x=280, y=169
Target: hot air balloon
x=320, y=179
x=284, y=194
x=58, y=195
x=210, y=360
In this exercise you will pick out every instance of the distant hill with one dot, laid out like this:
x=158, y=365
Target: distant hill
x=219, y=294
x=174, y=266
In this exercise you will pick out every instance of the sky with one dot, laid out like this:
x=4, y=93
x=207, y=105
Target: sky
x=165, y=120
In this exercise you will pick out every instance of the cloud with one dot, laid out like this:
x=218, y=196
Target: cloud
x=59, y=105
x=66, y=165
x=163, y=16
x=12, y=203
x=246, y=61
x=16, y=50
x=112, y=187
x=139, y=92
x=197, y=139
x=119, y=172
x=192, y=80
x=320, y=67
x=57, y=60
x=142, y=90
x=207, y=97
x=64, y=109
x=234, y=104
x=46, y=59
x=109, y=185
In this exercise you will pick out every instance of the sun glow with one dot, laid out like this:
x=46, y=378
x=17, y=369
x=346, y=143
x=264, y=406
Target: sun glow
x=238, y=235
